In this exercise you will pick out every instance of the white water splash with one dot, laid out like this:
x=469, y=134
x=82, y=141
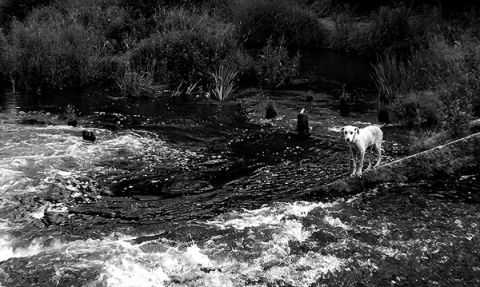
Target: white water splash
x=257, y=249
x=260, y=254
x=267, y=215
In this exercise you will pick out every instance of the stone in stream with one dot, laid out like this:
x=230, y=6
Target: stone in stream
x=270, y=111
x=88, y=136
x=303, y=129
x=72, y=123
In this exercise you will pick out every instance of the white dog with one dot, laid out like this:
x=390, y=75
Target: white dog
x=361, y=140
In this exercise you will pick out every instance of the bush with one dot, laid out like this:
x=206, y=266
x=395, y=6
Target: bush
x=259, y=20
x=119, y=27
x=274, y=66
x=136, y=84
x=18, y=9
x=50, y=51
x=441, y=84
x=185, y=48
x=420, y=108
x=388, y=30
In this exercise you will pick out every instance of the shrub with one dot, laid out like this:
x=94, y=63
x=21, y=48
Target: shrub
x=185, y=48
x=18, y=9
x=49, y=51
x=134, y=83
x=274, y=66
x=441, y=84
x=390, y=32
x=324, y=8
x=420, y=108
x=119, y=27
x=348, y=33
x=259, y=20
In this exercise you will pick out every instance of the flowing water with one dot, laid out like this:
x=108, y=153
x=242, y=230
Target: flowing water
x=250, y=247
x=63, y=224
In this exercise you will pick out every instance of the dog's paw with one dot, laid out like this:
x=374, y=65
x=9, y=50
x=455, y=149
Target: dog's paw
x=353, y=174
x=359, y=174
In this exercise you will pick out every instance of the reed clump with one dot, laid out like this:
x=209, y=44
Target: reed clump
x=224, y=80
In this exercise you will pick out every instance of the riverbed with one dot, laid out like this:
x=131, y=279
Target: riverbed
x=195, y=192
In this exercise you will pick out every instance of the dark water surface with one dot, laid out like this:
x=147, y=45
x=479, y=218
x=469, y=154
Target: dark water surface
x=323, y=71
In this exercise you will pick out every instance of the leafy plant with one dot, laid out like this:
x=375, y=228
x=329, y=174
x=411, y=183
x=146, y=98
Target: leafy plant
x=185, y=45
x=71, y=112
x=274, y=66
x=418, y=108
x=224, y=78
x=389, y=77
x=136, y=82
x=260, y=20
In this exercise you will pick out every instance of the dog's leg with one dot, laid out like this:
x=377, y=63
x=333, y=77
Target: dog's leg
x=378, y=148
x=362, y=157
x=354, y=162
x=370, y=154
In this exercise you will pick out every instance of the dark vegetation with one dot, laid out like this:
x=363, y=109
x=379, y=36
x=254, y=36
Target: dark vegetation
x=425, y=53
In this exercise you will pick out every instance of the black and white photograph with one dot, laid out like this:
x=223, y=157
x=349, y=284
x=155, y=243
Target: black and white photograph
x=239, y=143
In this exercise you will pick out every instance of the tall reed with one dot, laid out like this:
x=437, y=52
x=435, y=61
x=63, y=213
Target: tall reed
x=224, y=77
x=389, y=77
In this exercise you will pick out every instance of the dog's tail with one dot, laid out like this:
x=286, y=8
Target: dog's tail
x=302, y=111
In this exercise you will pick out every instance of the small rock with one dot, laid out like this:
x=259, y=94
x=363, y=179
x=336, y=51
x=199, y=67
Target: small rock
x=88, y=136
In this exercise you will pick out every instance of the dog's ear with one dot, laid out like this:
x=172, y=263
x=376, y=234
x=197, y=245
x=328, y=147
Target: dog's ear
x=358, y=131
x=342, y=129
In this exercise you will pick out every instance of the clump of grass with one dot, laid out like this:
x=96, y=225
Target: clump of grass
x=71, y=112
x=389, y=77
x=136, y=82
x=224, y=80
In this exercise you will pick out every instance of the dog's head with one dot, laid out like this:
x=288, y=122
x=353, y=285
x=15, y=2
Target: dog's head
x=349, y=133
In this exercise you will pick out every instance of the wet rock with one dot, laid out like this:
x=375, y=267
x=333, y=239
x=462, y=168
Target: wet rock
x=383, y=116
x=344, y=107
x=270, y=111
x=72, y=123
x=303, y=129
x=88, y=135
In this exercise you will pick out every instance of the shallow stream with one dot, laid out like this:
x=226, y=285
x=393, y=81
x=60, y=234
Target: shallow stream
x=199, y=193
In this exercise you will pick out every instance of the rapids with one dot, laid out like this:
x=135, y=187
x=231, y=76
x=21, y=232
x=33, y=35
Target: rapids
x=251, y=247
x=54, y=160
